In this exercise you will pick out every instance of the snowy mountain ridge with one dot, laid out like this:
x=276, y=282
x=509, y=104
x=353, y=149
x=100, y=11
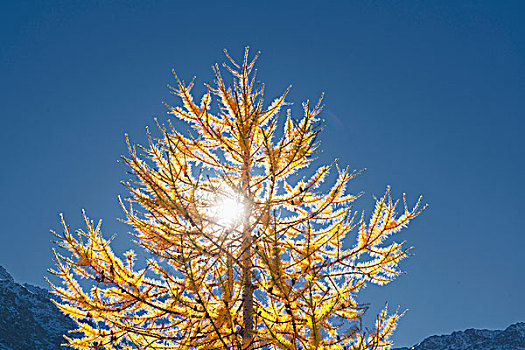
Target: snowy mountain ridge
x=511, y=338
x=28, y=318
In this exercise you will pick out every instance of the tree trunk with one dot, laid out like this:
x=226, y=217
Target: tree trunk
x=247, y=294
x=246, y=255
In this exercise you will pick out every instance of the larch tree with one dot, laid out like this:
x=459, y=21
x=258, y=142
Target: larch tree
x=241, y=255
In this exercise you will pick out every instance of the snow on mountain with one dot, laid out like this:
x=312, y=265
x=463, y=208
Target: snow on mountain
x=28, y=318
x=511, y=338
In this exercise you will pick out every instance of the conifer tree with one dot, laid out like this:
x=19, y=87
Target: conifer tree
x=242, y=254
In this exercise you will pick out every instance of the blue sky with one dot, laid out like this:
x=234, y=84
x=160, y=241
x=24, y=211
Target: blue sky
x=429, y=96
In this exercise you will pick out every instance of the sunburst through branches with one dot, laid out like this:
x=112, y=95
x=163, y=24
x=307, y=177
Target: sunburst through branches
x=242, y=255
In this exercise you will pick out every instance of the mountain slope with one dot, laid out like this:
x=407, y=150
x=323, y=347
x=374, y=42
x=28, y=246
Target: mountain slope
x=511, y=338
x=28, y=319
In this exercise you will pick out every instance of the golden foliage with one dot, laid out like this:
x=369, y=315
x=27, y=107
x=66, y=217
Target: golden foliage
x=280, y=275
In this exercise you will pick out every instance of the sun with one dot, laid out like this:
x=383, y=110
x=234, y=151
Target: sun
x=228, y=211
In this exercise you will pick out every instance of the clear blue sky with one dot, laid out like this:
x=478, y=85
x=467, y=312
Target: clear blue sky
x=429, y=96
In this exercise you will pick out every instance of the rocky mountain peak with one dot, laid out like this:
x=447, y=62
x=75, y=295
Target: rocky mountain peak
x=4, y=275
x=511, y=338
x=28, y=318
